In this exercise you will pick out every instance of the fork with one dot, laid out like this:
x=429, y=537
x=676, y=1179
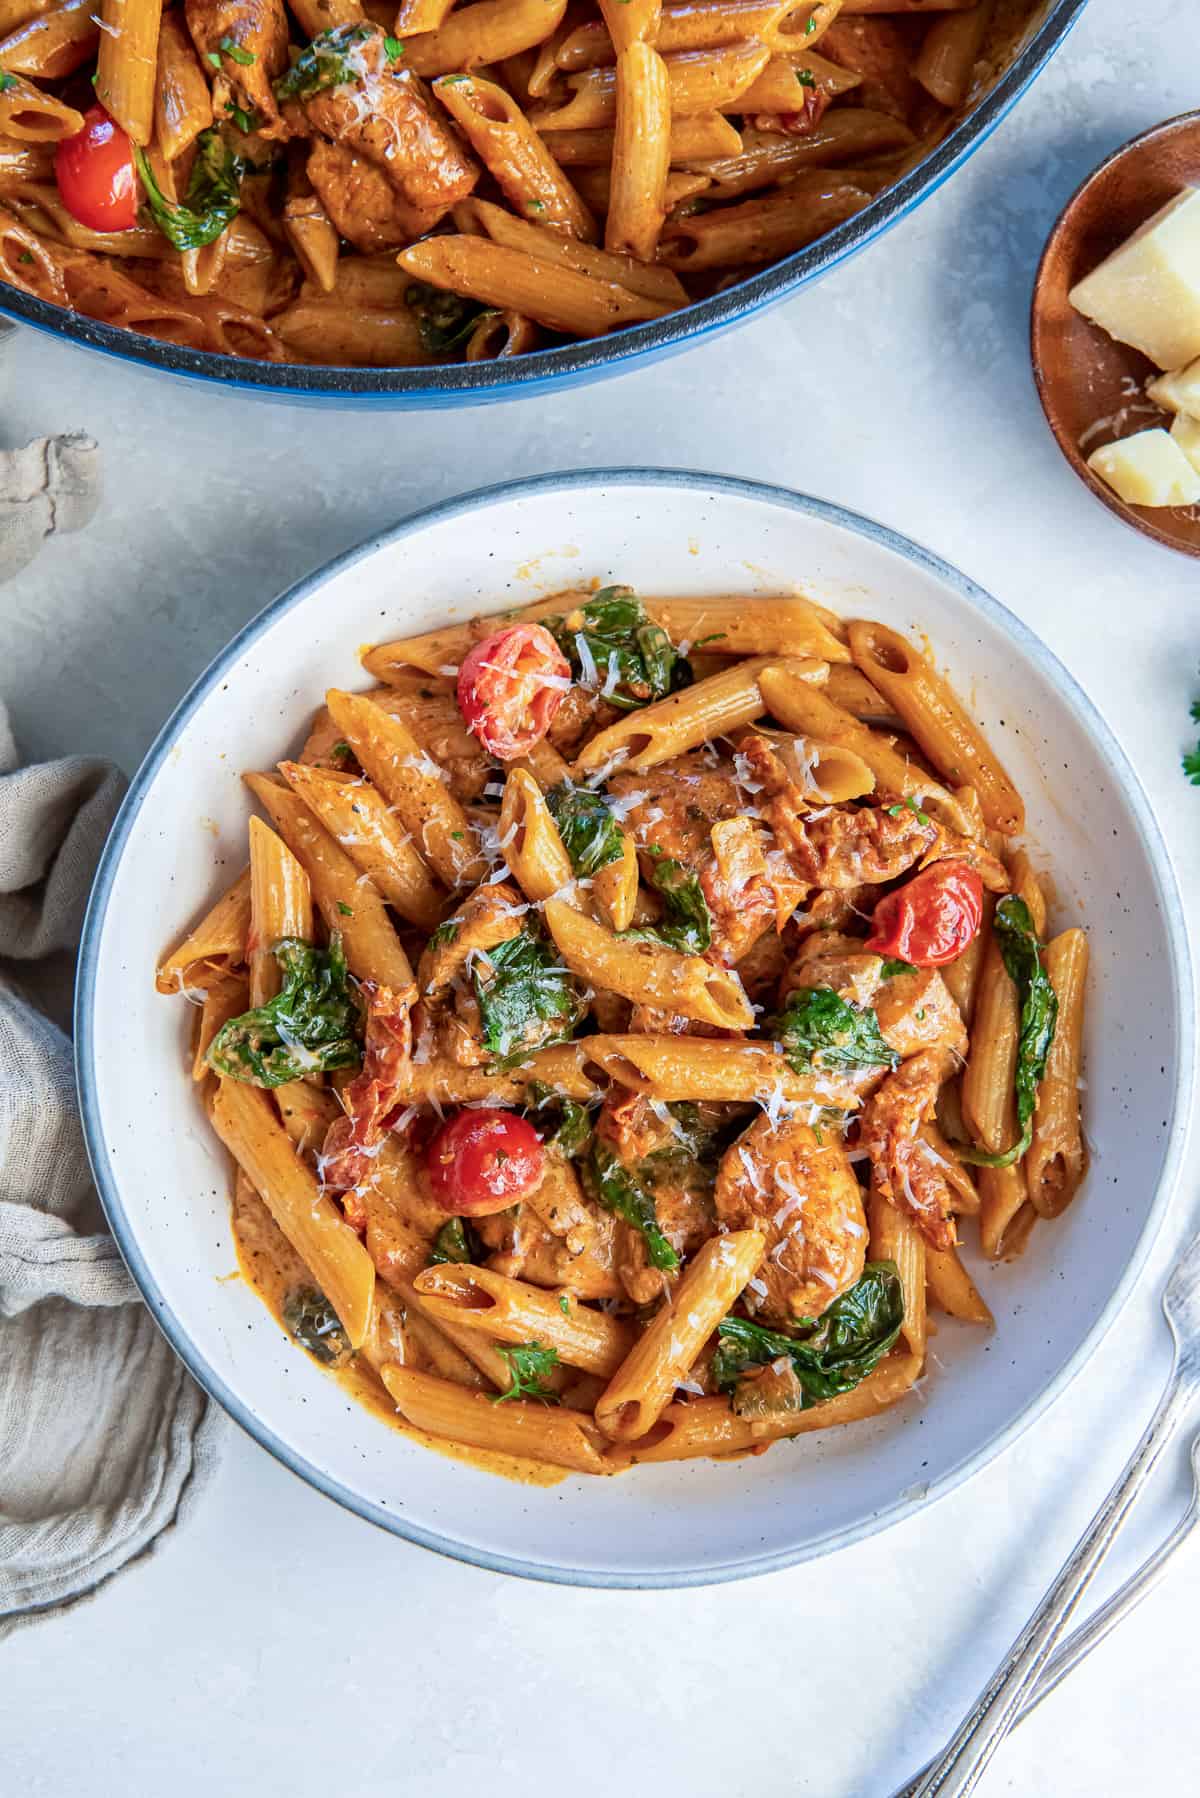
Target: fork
x=1089, y=1635
x=957, y=1770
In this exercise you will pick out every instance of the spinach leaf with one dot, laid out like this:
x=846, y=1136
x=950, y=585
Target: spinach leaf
x=528, y=1363
x=836, y=1352
x=566, y=1125
x=214, y=193
x=620, y=1191
x=313, y=1322
x=686, y=922
x=455, y=1242
x=526, y=999
x=1017, y=941
x=627, y=656
x=333, y=59
x=590, y=833
x=444, y=320
x=313, y=1023
x=820, y=1030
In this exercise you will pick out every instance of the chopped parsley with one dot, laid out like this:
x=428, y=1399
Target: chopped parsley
x=246, y=122
x=393, y=48
x=528, y=1365
x=235, y=53
x=1191, y=760
x=821, y=1031
x=564, y=1304
x=892, y=968
x=347, y=911
x=909, y=805
x=329, y=61
x=806, y=78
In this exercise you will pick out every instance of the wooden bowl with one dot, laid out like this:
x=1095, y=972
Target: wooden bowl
x=1092, y=389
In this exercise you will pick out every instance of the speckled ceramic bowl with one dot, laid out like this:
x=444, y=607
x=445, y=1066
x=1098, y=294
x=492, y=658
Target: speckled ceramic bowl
x=181, y=837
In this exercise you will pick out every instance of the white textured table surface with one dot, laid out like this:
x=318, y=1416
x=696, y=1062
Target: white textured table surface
x=282, y=1646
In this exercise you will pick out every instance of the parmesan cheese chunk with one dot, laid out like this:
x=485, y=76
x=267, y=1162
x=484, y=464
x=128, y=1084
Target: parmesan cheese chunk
x=1147, y=293
x=1149, y=469
x=1186, y=433
x=1178, y=391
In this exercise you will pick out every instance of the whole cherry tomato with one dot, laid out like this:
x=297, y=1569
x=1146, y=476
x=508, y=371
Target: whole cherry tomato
x=95, y=174
x=931, y=918
x=510, y=686
x=483, y=1161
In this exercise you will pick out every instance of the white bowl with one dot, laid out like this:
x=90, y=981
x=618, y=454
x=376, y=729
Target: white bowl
x=181, y=837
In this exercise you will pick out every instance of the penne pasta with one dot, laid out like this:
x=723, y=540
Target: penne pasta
x=347, y=900
x=217, y=944
x=488, y=32
x=894, y=1237
x=533, y=848
x=54, y=44
x=596, y=1162
x=182, y=101
x=243, y=1119
x=558, y=297
x=711, y=708
x=545, y=1433
x=761, y=230
x=952, y=741
x=699, y=82
x=694, y=139
x=34, y=117
x=359, y=819
x=952, y=1288
x=504, y=140
x=644, y=1383
x=947, y=60
x=1057, y=1158
x=648, y=971
x=127, y=64
x=707, y=1426
x=413, y=783
x=514, y=1311
x=637, y=204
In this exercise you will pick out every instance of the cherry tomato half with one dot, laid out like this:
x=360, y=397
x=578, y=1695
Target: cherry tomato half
x=95, y=174
x=510, y=686
x=931, y=918
x=483, y=1161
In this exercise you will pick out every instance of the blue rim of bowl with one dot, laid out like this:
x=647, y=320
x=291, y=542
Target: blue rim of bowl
x=976, y=599
x=542, y=370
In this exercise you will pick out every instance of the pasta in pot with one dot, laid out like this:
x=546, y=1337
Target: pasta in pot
x=455, y=182
x=627, y=1108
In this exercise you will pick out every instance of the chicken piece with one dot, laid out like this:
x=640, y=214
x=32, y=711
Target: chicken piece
x=580, y=715
x=386, y=115
x=630, y=1126
x=749, y=888
x=492, y=914
x=675, y=805
x=353, y=1141
x=685, y=1216
x=799, y=1189
x=362, y=203
x=880, y=50
x=839, y=849
x=432, y=715
x=560, y=1238
x=903, y=1167
x=258, y=32
x=915, y=1009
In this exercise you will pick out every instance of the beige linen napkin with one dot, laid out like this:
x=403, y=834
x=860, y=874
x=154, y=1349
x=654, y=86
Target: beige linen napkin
x=105, y=1440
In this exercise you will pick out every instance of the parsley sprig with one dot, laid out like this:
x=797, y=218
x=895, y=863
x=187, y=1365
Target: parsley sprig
x=528, y=1364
